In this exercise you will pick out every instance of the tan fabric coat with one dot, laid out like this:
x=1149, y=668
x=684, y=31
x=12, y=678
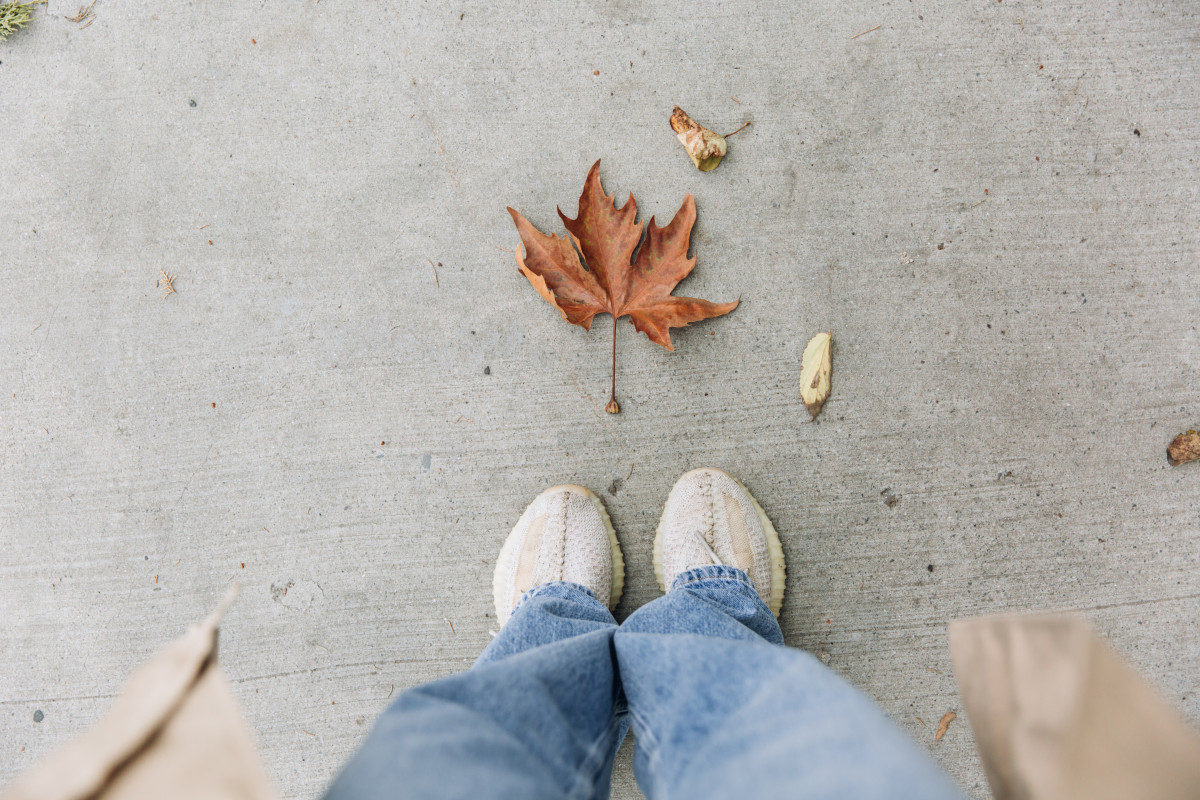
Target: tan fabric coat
x=1056, y=714
x=174, y=732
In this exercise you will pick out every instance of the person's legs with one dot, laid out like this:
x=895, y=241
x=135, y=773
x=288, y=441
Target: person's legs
x=539, y=715
x=720, y=708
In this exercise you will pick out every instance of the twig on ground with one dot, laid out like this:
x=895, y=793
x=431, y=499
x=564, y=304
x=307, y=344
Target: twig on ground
x=868, y=30
x=166, y=283
x=84, y=13
x=738, y=130
x=435, y=275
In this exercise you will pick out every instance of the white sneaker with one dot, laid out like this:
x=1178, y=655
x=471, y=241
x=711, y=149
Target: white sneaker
x=710, y=518
x=564, y=535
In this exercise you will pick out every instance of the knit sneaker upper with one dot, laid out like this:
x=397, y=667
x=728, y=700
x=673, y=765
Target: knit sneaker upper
x=711, y=518
x=564, y=535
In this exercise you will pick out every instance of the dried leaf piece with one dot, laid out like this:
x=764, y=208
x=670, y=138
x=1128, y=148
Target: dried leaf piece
x=166, y=283
x=85, y=12
x=944, y=725
x=705, y=147
x=815, y=366
x=1184, y=448
x=615, y=281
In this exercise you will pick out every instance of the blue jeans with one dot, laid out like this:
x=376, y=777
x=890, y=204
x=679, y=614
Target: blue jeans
x=719, y=706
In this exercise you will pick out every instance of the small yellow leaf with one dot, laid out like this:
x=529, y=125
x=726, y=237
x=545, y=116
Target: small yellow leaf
x=815, y=367
x=706, y=148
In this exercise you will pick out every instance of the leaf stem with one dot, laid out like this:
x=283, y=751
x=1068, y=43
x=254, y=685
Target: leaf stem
x=613, y=407
x=739, y=130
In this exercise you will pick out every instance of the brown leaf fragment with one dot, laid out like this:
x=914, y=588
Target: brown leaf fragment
x=621, y=273
x=1184, y=448
x=706, y=148
x=944, y=725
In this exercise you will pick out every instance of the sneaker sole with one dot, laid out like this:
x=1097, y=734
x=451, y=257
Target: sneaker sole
x=506, y=553
x=774, y=546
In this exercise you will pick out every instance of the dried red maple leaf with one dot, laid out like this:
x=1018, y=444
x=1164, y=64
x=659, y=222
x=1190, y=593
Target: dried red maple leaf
x=610, y=278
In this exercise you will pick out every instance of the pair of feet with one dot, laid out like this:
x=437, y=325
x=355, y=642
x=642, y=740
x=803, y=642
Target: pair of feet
x=709, y=518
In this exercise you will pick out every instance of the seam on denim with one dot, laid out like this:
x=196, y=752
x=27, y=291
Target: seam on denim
x=538, y=590
x=585, y=781
x=543, y=587
x=735, y=578
x=754, y=594
x=648, y=741
x=715, y=571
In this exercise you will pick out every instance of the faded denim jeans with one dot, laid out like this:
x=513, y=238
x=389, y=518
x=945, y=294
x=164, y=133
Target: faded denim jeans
x=719, y=706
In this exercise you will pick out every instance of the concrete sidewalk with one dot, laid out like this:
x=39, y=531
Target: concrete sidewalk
x=353, y=394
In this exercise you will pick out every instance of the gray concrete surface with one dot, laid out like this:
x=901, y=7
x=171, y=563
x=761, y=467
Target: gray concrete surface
x=992, y=205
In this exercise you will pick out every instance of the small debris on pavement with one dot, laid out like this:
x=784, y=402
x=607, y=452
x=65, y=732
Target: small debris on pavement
x=14, y=16
x=706, y=148
x=1184, y=448
x=944, y=725
x=166, y=283
x=815, y=367
x=84, y=13
x=868, y=30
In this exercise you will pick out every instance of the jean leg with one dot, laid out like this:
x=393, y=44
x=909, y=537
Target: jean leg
x=721, y=709
x=535, y=717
